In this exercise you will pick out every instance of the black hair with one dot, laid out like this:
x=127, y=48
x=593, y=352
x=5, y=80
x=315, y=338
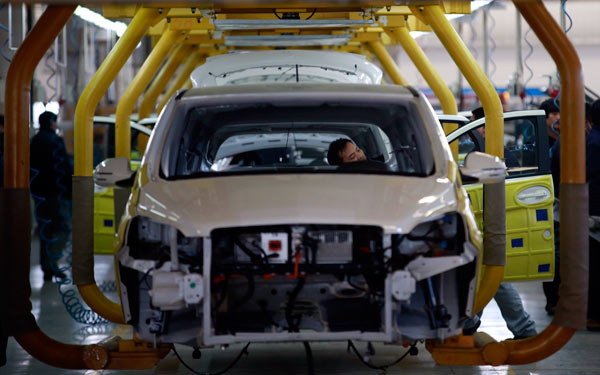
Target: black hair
x=335, y=148
x=589, y=112
x=46, y=119
x=1, y=120
x=549, y=106
x=596, y=112
x=478, y=113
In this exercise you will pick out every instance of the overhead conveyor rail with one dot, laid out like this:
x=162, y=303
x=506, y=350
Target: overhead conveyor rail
x=365, y=26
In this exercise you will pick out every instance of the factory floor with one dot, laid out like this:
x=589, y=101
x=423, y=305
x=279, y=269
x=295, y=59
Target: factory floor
x=580, y=356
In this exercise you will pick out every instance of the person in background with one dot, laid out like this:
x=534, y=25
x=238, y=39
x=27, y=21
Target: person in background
x=51, y=175
x=1, y=150
x=342, y=151
x=552, y=120
x=507, y=297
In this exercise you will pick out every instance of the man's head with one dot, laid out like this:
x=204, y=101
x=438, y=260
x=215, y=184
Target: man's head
x=552, y=117
x=476, y=114
x=48, y=120
x=343, y=151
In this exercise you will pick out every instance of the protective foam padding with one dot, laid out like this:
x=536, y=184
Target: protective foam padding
x=15, y=249
x=83, y=230
x=121, y=195
x=571, y=311
x=494, y=224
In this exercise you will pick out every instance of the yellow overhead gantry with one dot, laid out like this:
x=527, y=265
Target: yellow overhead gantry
x=483, y=350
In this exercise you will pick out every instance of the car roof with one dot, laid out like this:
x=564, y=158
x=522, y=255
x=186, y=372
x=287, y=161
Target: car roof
x=306, y=90
x=243, y=67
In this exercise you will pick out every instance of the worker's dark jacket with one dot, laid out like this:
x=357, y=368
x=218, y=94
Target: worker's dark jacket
x=50, y=168
x=592, y=168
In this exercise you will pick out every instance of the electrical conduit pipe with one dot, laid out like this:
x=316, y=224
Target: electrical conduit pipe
x=494, y=238
x=161, y=80
x=83, y=184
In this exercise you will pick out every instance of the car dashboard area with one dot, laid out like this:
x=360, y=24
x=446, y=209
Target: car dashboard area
x=210, y=141
x=296, y=283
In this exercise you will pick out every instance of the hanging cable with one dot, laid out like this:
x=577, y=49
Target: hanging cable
x=412, y=351
x=52, y=70
x=229, y=367
x=490, y=55
x=556, y=99
x=473, y=37
x=529, y=54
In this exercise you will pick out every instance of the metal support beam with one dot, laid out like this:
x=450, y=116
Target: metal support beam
x=83, y=185
x=161, y=80
x=494, y=202
x=197, y=58
x=379, y=50
x=136, y=88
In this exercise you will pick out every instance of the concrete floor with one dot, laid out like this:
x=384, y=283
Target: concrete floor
x=580, y=356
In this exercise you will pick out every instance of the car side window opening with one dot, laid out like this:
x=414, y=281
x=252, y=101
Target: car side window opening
x=521, y=153
x=266, y=138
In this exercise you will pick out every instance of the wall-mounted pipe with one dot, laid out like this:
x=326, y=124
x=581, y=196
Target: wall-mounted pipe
x=83, y=184
x=191, y=63
x=390, y=66
x=162, y=79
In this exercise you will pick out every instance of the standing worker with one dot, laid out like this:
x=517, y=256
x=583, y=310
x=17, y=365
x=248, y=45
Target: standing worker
x=50, y=186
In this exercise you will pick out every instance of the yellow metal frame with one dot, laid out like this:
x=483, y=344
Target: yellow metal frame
x=196, y=59
x=136, y=88
x=434, y=16
x=379, y=50
x=161, y=80
x=481, y=350
x=84, y=113
x=401, y=34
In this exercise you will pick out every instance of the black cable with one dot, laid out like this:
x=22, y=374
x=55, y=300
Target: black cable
x=275, y=13
x=382, y=367
x=312, y=14
x=242, y=352
x=293, y=327
x=309, y=358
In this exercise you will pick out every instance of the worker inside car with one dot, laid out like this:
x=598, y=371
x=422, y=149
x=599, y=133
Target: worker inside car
x=343, y=150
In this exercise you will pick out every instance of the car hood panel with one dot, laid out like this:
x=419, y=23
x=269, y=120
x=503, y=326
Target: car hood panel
x=395, y=203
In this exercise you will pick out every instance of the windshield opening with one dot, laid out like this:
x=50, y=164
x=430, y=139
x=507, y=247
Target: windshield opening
x=265, y=138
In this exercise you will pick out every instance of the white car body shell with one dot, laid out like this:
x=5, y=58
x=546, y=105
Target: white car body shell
x=395, y=203
x=268, y=66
